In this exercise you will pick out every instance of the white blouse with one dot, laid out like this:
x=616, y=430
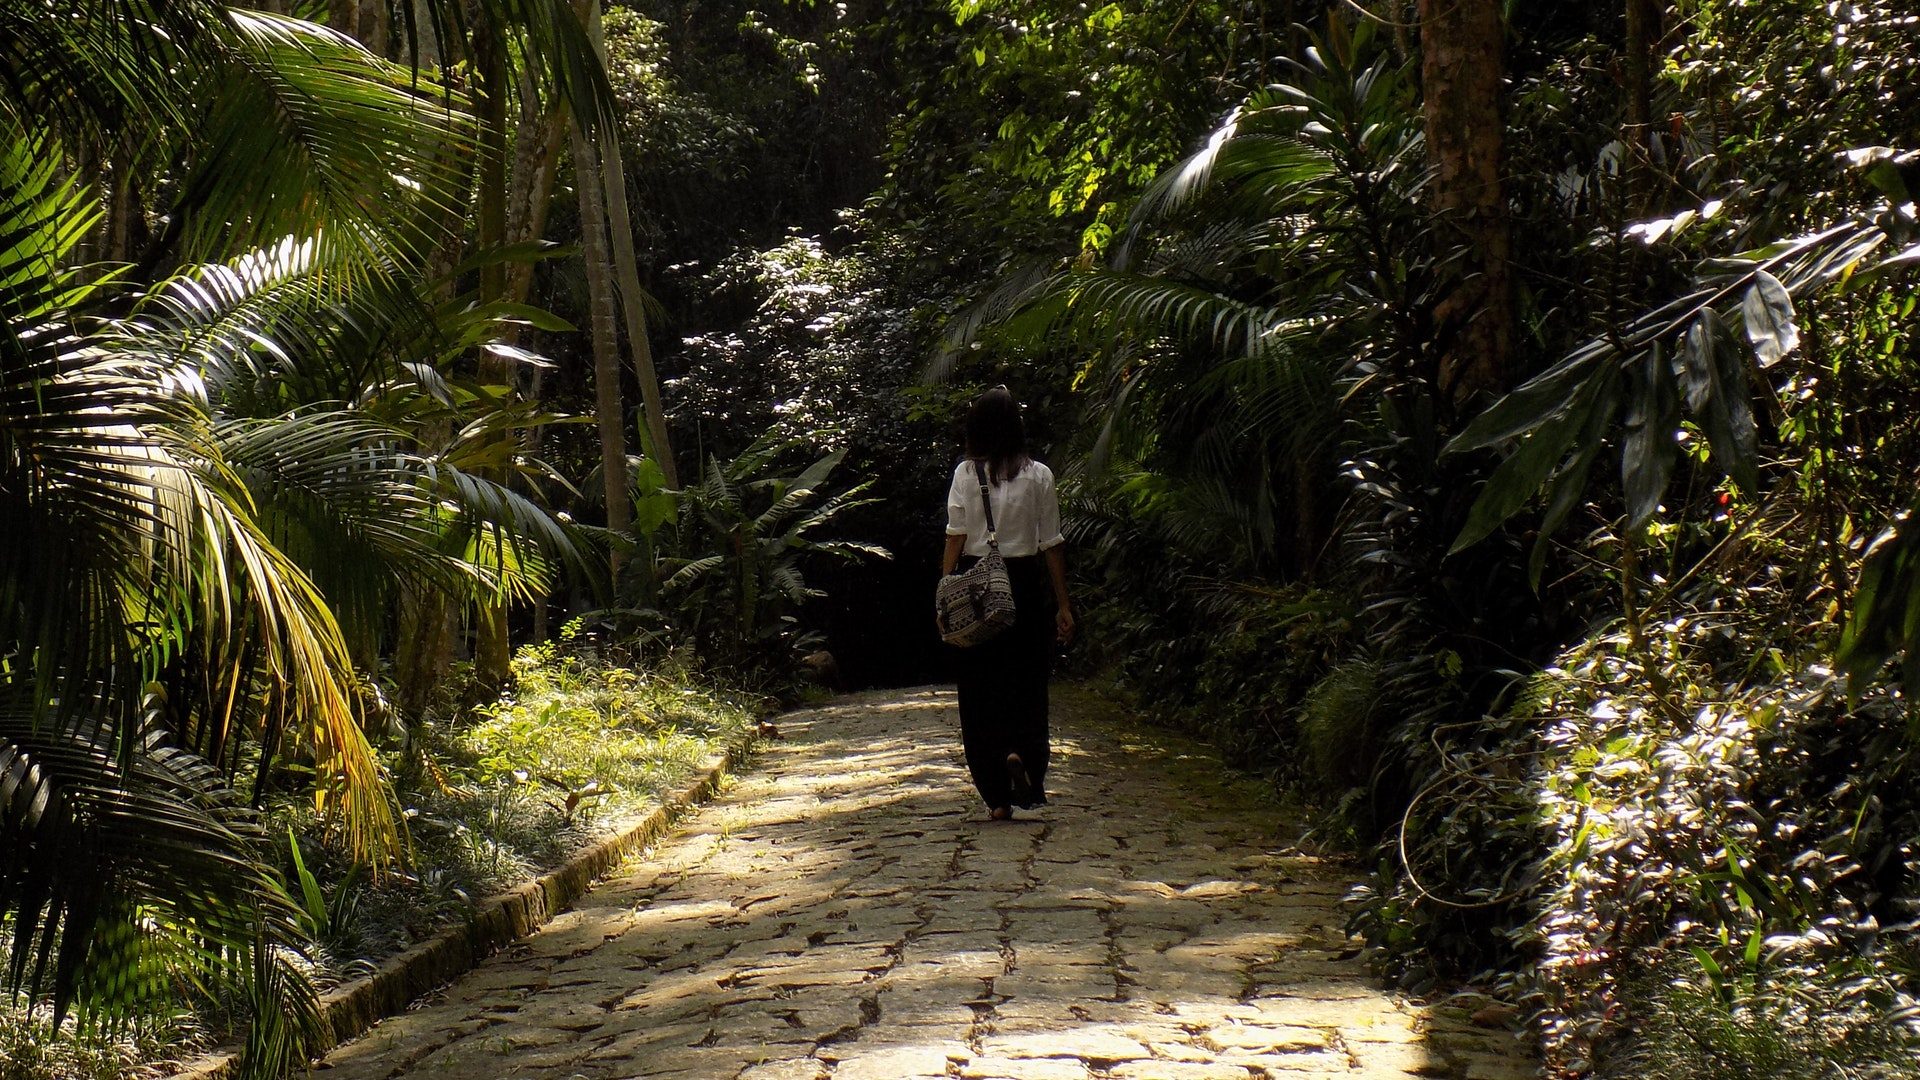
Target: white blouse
x=1026, y=511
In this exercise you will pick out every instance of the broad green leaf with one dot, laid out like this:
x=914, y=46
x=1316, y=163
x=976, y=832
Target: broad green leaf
x=1529, y=406
x=648, y=476
x=1769, y=316
x=1883, y=606
x=1521, y=475
x=1881, y=166
x=538, y=318
x=1711, y=966
x=315, y=900
x=1568, y=486
x=653, y=504
x=530, y=251
x=1696, y=362
x=1648, y=452
x=1725, y=409
x=1571, y=482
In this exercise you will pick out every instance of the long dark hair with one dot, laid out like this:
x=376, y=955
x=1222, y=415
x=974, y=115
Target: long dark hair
x=996, y=435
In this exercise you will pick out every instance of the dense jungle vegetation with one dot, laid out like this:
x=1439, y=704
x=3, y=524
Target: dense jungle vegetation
x=1493, y=422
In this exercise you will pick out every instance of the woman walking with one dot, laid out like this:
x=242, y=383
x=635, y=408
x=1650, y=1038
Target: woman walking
x=1003, y=681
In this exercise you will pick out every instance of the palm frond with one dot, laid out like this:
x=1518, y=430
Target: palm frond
x=139, y=544
x=335, y=491
x=1019, y=288
x=686, y=571
x=344, y=140
x=128, y=875
x=42, y=219
x=513, y=545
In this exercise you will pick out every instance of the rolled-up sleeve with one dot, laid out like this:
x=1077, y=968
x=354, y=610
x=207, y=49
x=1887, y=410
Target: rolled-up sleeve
x=1047, y=528
x=956, y=508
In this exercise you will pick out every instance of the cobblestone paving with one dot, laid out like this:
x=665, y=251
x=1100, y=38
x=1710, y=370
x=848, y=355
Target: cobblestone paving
x=846, y=911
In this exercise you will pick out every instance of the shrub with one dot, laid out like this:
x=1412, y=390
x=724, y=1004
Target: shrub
x=1801, y=1021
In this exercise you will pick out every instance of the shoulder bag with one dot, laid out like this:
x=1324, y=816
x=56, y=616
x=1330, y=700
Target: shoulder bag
x=976, y=604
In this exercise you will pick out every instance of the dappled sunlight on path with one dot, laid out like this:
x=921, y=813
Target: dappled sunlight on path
x=845, y=911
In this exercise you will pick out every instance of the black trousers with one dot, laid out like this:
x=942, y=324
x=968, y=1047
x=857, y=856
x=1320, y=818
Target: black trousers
x=1003, y=689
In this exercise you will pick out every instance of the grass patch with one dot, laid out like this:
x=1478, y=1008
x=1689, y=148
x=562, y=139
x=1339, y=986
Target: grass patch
x=583, y=745
x=30, y=1050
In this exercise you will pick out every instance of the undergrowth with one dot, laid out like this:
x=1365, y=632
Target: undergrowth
x=586, y=741
x=1794, y=1022
x=1731, y=823
x=29, y=1049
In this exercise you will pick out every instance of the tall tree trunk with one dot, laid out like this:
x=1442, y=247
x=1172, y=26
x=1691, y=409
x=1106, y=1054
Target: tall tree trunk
x=427, y=618
x=1643, y=22
x=422, y=43
x=632, y=297
x=492, y=650
x=609, y=410
x=1461, y=42
x=376, y=22
x=536, y=154
x=424, y=648
x=535, y=158
x=365, y=21
x=126, y=221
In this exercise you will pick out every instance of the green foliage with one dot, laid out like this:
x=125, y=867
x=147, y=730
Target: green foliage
x=220, y=465
x=1341, y=725
x=581, y=727
x=1258, y=353
x=139, y=558
x=285, y=128
x=818, y=359
x=591, y=734
x=731, y=566
x=1629, y=370
x=1785, y=1021
x=738, y=122
x=1705, y=800
x=1048, y=117
x=1228, y=661
x=32, y=1049
x=1245, y=316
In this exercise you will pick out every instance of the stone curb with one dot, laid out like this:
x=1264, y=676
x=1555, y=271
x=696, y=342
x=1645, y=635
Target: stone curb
x=353, y=1008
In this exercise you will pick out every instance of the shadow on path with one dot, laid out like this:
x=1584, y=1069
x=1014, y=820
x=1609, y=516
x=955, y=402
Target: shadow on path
x=846, y=911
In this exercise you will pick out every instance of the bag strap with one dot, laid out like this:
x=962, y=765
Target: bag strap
x=986, y=500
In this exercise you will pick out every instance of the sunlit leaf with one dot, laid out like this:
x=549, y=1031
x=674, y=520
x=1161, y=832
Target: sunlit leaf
x=1768, y=312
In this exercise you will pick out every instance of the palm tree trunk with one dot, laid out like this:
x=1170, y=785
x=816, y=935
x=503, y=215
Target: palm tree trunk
x=609, y=410
x=426, y=620
x=423, y=42
x=126, y=227
x=535, y=157
x=424, y=648
x=1461, y=42
x=492, y=650
x=632, y=297
x=376, y=26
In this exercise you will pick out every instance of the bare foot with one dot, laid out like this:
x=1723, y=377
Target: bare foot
x=1001, y=813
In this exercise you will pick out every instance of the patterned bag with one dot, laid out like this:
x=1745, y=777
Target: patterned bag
x=976, y=604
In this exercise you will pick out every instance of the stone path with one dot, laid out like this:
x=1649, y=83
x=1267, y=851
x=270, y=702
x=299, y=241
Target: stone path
x=845, y=911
